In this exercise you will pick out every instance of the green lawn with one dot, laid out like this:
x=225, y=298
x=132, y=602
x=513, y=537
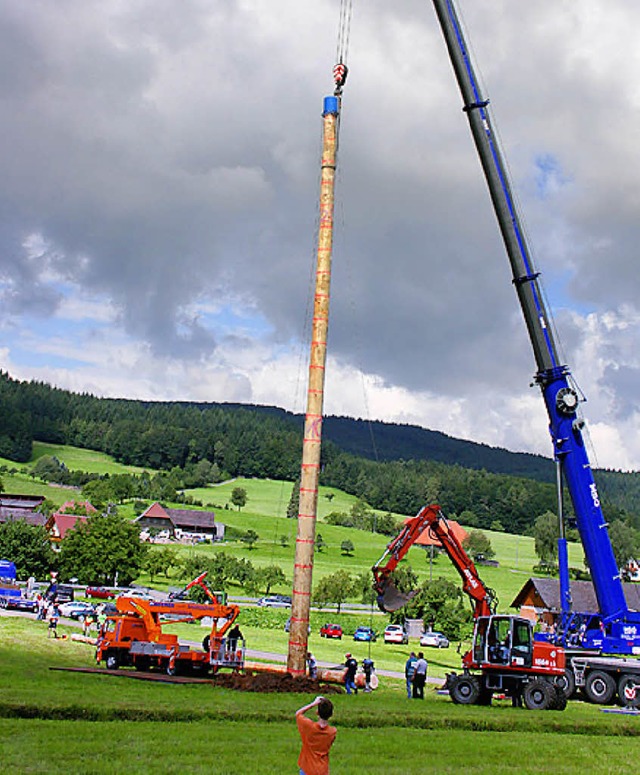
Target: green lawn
x=62, y=722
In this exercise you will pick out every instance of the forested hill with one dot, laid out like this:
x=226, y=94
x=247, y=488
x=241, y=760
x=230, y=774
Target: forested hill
x=377, y=440
x=392, y=467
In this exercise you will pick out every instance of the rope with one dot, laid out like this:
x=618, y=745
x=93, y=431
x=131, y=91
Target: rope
x=344, y=30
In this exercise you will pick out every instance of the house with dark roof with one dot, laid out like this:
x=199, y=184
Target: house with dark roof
x=16, y=507
x=539, y=599
x=186, y=525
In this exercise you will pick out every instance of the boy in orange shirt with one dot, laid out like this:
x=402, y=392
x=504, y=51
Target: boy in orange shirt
x=317, y=738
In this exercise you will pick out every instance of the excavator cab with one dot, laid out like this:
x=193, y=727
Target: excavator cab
x=503, y=641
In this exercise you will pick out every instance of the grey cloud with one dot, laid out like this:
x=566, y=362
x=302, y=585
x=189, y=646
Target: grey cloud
x=170, y=153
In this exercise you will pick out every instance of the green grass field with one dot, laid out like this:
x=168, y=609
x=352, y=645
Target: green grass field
x=61, y=722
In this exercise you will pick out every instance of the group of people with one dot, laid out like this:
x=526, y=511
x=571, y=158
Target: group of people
x=351, y=668
x=415, y=673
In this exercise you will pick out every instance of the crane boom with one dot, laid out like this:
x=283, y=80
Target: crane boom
x=553, y=376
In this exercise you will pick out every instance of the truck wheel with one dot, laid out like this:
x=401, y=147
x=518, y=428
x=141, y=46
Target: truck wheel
x=464, y=689
x=567, y=683
x=539, y=695
x=112, y=661
x=629, y=691
x=205, y=643
x=560, y=700
x=600, y=687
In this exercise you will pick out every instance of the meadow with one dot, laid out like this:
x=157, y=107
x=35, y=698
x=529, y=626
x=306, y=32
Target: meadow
x=53, y=721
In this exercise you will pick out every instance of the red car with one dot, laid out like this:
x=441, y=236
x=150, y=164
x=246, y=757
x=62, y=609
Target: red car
x=102, y=592
x=331, y=631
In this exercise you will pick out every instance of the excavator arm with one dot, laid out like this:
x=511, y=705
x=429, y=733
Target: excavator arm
x=429, y=518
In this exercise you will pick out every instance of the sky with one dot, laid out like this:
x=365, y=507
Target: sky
x=159, y=198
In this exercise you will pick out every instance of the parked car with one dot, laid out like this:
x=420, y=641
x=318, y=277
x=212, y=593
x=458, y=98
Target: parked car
x=275, y=601
x=287, y=626
x=76, y=610
x=436, y=639
x=107, y=609
x=395, y=633
x=100, y=592
x=64, y=593
x=364, y=633
x=331, y=631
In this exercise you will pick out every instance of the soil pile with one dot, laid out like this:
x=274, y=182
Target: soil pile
x=273, y=682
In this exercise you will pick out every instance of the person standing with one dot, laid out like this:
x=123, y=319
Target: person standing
x=350, y=675
x=317, y=737
x=368, y=667
x=409, y=672
x=420, y=677
x=86, y=625
x=233, y=637
x=313, y=666
x=53, y=621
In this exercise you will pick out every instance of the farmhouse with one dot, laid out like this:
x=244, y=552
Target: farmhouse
x=16, y=507
x=185, y=525
x=59, y=523
x=539, y=599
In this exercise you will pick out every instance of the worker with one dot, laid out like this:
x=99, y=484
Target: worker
x=233, y=637
x=368, y=668
x=312, y=665
x=420, y=677
x=409, y=672
x=317, y=737
x=350, y=674
x=86, y=625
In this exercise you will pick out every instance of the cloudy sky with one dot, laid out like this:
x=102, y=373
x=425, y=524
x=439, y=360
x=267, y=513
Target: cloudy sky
x=158, y=207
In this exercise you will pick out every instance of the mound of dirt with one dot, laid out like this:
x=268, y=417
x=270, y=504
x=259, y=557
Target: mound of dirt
x=273, y=682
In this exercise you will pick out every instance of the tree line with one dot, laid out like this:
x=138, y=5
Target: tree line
x=189, y=444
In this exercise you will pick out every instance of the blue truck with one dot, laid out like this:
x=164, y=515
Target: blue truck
x=11, y=595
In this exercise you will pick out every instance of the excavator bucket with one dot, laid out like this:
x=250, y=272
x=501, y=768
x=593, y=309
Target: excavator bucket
x=391, y=599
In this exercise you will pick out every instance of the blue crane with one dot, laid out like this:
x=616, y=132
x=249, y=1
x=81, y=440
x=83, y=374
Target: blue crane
x=618, y=629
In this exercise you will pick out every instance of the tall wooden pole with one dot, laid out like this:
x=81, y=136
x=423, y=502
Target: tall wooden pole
x=311, y=445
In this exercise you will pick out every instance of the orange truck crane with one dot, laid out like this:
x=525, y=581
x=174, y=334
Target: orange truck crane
x=134, y=636
x=504, y=656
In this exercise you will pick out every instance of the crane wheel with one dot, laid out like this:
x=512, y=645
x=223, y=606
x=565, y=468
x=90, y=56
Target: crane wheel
x=539, y=695
x=600, y=687
x=112, y=661
x=464, y=689
x=629, y=691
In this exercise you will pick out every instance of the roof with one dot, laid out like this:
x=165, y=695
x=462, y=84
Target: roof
x=426, y=539
x=25, y=502
x=15, y=515
x=546, y=594
x=63, y=523
x=89, y=508
x=183, y=518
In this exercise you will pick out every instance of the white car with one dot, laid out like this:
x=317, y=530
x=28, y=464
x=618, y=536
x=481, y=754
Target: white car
x=436, y=639
x=76, y=610
x=395, y=633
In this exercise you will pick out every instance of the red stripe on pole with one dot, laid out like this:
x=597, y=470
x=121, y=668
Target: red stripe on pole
x=299, y=592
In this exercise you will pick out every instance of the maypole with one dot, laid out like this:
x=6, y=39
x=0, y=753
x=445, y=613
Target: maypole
x=312, y=440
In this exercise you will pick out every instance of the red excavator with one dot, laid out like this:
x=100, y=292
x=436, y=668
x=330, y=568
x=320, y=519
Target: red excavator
x=504, y=657
x=134, y=635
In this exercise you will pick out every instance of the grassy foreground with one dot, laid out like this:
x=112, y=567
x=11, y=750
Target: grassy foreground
x=60, y=722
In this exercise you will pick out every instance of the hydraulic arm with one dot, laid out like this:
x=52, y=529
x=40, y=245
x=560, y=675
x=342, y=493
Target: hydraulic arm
x=622, y=626
x=429, y=518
